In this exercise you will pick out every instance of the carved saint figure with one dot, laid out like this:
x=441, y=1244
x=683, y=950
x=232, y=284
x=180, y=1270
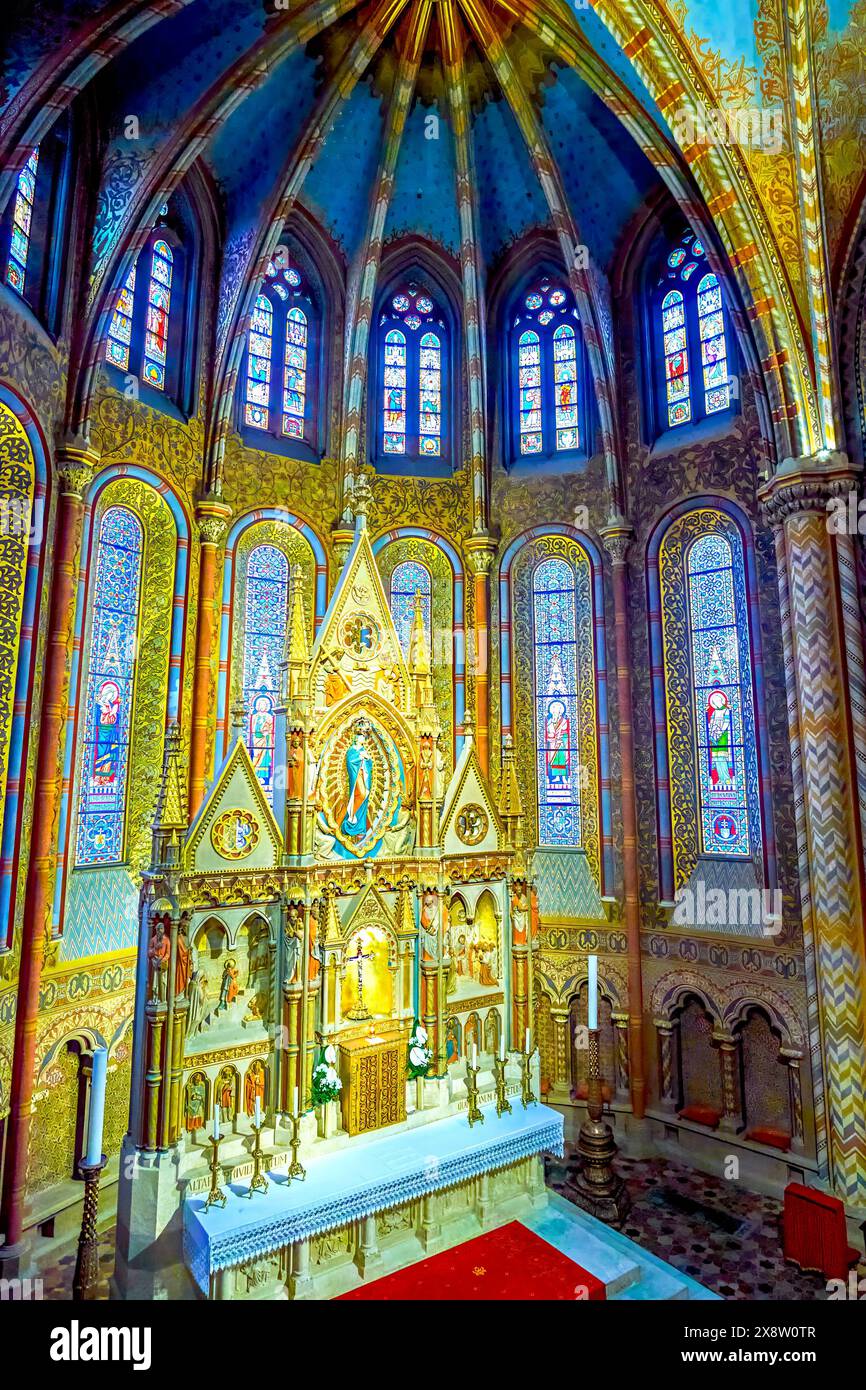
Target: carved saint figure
x=292, y=935
x=359, y=773
x=254, y=1085
x=196, y=1096
x=452, y=1042
x=295, y=768
x=719, y=737
x=520, y=914
x=159, y=952
x=225, y=1093
x=183, y=963
x=336, y=685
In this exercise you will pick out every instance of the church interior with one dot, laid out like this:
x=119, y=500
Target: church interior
x=432, y=661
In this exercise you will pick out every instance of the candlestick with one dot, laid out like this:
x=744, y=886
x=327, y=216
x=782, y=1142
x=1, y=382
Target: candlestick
x=258, y=1181
x=258, y=1113
x=86, y=1277
x=527, y=1095
x=215, y=1197
x=596, y=1186
x=526, y=1047
x=503, y=1105
x=474, y=1112
x=296, y=1168
x=295, y=1099
x=474, y=1057
x=96, y=1113
x=502, y=1049
x=592, y=992
x=215, y=1128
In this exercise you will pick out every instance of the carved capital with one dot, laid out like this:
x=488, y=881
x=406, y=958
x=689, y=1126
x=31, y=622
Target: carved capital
x=807, y=484
x=480, y=554
x=212, y=516
x=616, y=538
x=76, y=462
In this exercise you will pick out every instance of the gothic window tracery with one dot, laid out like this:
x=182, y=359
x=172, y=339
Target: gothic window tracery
x=410, y=579
x=144, y=331
x=413, y=345
x=690, y=337
x=556, y=703
x=278, y=378
x=544, y=366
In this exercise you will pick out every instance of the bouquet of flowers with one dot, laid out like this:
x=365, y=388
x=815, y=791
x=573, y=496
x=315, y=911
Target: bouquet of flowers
x=420, y=1055
x=326, y=1083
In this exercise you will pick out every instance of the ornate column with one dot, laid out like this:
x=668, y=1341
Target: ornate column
x=617, y=538
x=213, y=516
x=560, y=1081
x=668, y=1036
x=480, y=554
x=732, y=1098
x=792, y=1061
x=74, y=466
x=621, y=1037
x=806, y=502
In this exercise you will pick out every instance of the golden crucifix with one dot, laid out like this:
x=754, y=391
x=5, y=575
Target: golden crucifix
x=360, y=1010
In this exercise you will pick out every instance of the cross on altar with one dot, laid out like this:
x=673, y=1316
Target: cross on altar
x=360, y=1010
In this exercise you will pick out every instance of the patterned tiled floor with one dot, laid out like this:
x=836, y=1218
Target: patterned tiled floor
x=744, y=1262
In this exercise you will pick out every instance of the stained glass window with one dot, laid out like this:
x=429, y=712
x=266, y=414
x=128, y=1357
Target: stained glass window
x=278, y=386
x=723, y=709
x=394, y=417
x=676, y=358
x=547, y=379
x=690, y=327
x=565, y=386
x=714, y=351
x=412, y=364
x=295, y=374
x=258, y=392
x=529, y=380
x=264, y=638
x=158, y=307
x=410, y=578
x=107, y=707
x=22, y=218
x=430, y=395
x=119, y=338
x=554, y=617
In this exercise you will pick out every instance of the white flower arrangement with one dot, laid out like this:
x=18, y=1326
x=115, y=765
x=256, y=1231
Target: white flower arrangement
x=420, y=1055
x=326, y=1083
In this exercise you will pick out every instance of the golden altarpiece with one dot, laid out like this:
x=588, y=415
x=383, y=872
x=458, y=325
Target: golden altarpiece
x=367, y=891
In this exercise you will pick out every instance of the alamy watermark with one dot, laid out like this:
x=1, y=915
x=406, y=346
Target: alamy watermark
x=750, y=127
x=729, y=907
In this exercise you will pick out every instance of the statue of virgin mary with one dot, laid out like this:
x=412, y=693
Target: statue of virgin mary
x=359, y=772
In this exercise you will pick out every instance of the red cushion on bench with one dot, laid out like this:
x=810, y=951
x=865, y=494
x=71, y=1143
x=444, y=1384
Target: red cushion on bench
x=776, y=1138
x=701, y=1115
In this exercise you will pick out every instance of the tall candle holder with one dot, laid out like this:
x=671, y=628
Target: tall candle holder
x=86, y=1278
x=527, y=1095
x=474, y=1113
x=296, y=1167
x=596, y=1187
x=215, y=1197
x=503, y=1105
x=258, y=1181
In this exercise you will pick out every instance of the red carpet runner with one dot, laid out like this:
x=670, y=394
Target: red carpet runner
x=509, y=1263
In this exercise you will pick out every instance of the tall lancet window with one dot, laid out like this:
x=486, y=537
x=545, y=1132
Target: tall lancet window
x=557, y=740
x=267, y=586
x=144, y=334
x=109, y=690
x=689, y=330
x=723, y=710
x=279, y=382
x=410, y=580
x=22, y=220
x=412, y=367
x=545, y=377
x=260, y=352
x=158, y=309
